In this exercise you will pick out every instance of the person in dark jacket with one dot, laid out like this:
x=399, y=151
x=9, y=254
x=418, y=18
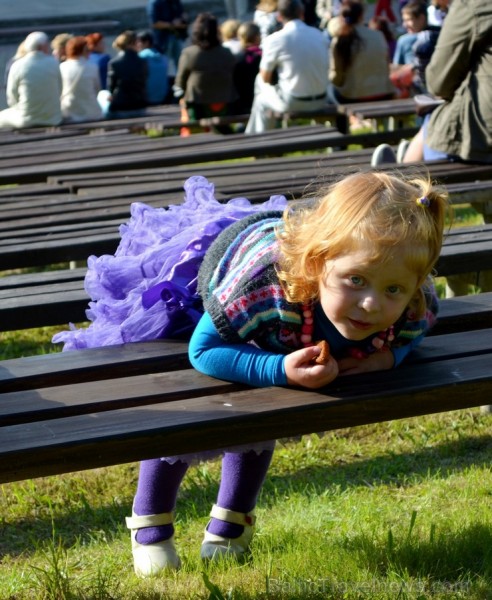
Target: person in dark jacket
x=169, y=24
x=127, y=79
x=204, y=82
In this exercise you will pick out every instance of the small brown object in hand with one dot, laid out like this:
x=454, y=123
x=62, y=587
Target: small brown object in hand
x=324, y=355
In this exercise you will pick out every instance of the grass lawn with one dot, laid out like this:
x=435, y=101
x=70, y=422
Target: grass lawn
x=394, y=510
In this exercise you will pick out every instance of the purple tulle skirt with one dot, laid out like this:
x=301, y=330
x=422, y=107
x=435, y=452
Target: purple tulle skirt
x=147, y=289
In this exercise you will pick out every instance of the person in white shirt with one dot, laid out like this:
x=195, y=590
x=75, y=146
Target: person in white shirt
x=81, y=83
x=298, y=54
x=437, y=11
x=33, y=87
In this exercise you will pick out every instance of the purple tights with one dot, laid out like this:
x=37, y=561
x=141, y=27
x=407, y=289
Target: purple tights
x=159, y=481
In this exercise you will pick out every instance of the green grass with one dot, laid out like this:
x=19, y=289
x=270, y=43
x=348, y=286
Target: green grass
x=391, y=510
x=386, y=511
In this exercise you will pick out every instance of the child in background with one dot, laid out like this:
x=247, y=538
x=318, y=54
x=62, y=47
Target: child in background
x=403, y=66
x=229, y=32
x=247, y=66
x=414, y=19
x=353, y=270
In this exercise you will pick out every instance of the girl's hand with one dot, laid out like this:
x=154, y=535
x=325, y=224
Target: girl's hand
x=378, y=361
x=300, y=369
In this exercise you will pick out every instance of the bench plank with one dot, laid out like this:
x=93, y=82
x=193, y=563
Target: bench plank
x=198, y=148
x=93, y=364
x=208, y=422
x=463, y=313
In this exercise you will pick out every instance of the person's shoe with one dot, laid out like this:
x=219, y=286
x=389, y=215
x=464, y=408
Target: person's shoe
x=383, y=154
x=215, y=546
x=151, y=559
x=401, y=150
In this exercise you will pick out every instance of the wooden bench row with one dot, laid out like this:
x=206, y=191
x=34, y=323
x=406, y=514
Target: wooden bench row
x=394, y=114
x=168, y=117
x=75, y=216
x=81, y=197
x=92, y=408
x=160, y=118
x=58, y=297
x=28, y=163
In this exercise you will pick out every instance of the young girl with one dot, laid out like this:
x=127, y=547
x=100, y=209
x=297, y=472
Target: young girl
x=352, y=269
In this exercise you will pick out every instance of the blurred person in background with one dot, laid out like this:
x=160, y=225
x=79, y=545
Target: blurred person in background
x=359, y=58
x=247, y=67
x=228, y=31
x=126, y=95
x=266, y=17
x=297, y=56
x=33, y=86
x=169, y=24
x=99, y=56
x=204, y=81
x=58, y=46
x=157, y=64
x=80, y=83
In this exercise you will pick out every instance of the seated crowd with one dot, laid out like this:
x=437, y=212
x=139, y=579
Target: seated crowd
x=288, y=57
x=73, y=79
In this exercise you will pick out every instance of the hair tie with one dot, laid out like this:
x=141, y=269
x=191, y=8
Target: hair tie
x=423, y=201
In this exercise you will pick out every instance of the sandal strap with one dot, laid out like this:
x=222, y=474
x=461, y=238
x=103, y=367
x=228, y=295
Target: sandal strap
x=231, y=516
x=139, y=522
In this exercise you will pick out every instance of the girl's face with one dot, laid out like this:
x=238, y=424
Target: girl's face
x=362, y=298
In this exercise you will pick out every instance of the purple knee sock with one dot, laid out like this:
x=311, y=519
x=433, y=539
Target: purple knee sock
x=158, y=485
x=242, y=478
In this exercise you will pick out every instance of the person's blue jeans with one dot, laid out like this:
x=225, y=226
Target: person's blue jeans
x=430, y=153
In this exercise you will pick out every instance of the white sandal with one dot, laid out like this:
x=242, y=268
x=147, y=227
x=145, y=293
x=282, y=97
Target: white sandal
x=150, y=559
x=214, y=546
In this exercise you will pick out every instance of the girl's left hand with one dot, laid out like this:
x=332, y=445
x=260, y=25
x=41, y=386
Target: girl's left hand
x=378, y=361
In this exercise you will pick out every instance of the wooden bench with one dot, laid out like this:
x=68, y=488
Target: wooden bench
x=82, y=217
x=330, y=113
x=58, y=297
x=393, y=114
x=74, y=216
x=40, y=161
x=89, y=196
x=93, y=408
x=165, y=118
